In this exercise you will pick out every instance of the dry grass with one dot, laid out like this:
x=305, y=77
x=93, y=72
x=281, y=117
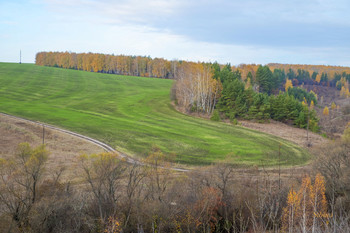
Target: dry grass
x=287, y=132
x=64, y=149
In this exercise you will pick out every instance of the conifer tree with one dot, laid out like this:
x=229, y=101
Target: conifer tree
x=264, y=79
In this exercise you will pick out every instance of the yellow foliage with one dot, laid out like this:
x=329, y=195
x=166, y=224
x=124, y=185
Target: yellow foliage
x=318, y=78
x=306, y=207
x=333, y=106
x=248, y=84
x=346, y=134
x=326, y=111
x=312, y=105
x=312, y=92
x=304, y=102
x=156, y=156
x=342, y=91
x=292, y=198
x=288, y=84
x=113, y=226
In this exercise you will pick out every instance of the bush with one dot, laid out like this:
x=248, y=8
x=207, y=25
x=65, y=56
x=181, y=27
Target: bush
x=215, y=116
x=346, y=110
x=232, y=117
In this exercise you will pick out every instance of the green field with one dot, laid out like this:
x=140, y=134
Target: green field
x=133, y=114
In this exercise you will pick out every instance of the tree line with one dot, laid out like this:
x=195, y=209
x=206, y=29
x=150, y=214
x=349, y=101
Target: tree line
x=95, y=62
x=159, y=67
x=238, y=99
x=246, y=91
x=110, y=195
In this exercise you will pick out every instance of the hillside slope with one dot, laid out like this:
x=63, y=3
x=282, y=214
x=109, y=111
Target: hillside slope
x=133, y=114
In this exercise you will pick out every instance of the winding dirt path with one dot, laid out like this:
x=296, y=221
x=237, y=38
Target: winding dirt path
x=100, y=144
x=66, y=146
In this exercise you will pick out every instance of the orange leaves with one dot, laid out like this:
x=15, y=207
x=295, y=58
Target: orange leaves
x=318, y=194
x=95, y=62
x=208, y=206
x=113, y=226
x=329, y=70
x=292, y=198
x=306, y=208
x=318, y=78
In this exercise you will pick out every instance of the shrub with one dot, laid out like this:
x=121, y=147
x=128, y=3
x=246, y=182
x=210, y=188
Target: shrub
x=215, y=116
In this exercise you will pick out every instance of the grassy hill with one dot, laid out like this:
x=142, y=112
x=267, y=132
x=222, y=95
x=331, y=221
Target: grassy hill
x=133, y=114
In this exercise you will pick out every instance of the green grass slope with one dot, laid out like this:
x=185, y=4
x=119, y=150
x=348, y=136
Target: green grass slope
x=133, y=114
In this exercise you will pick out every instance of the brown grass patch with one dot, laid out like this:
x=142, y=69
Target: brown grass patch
x=64, y=149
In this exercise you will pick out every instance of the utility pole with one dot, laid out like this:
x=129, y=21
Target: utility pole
x=20, y=56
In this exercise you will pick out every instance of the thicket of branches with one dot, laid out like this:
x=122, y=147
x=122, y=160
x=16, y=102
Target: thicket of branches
x=113, y=196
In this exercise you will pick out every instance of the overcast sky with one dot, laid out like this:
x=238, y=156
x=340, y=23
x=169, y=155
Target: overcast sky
x=236, y=31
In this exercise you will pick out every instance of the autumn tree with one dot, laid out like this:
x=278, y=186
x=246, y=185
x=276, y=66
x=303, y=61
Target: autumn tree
x=326, y=111
x=196, y=89
x=288, y=84
x=158, y=174
x=318, y=78
x=135, y=175
x=333, y=106
x=312, y=105
x=346, y=134
x=113, y=226
x=158, y=67
x=207, y=208
x=103, y=173
x=306, y=209
x=333, y=163
x=248, y=83
x=20, y=178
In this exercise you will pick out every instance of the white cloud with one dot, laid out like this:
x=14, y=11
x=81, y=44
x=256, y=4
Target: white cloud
x=131, y=27
x=117, y=12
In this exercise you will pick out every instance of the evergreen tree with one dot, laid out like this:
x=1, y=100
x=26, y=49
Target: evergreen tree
x=226, y=74
x=279, y=77
x=250, y=76
x=291, y=75
x=264, y=79
x=216, y=70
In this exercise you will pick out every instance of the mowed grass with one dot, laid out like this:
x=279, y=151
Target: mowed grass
x=133, y=114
